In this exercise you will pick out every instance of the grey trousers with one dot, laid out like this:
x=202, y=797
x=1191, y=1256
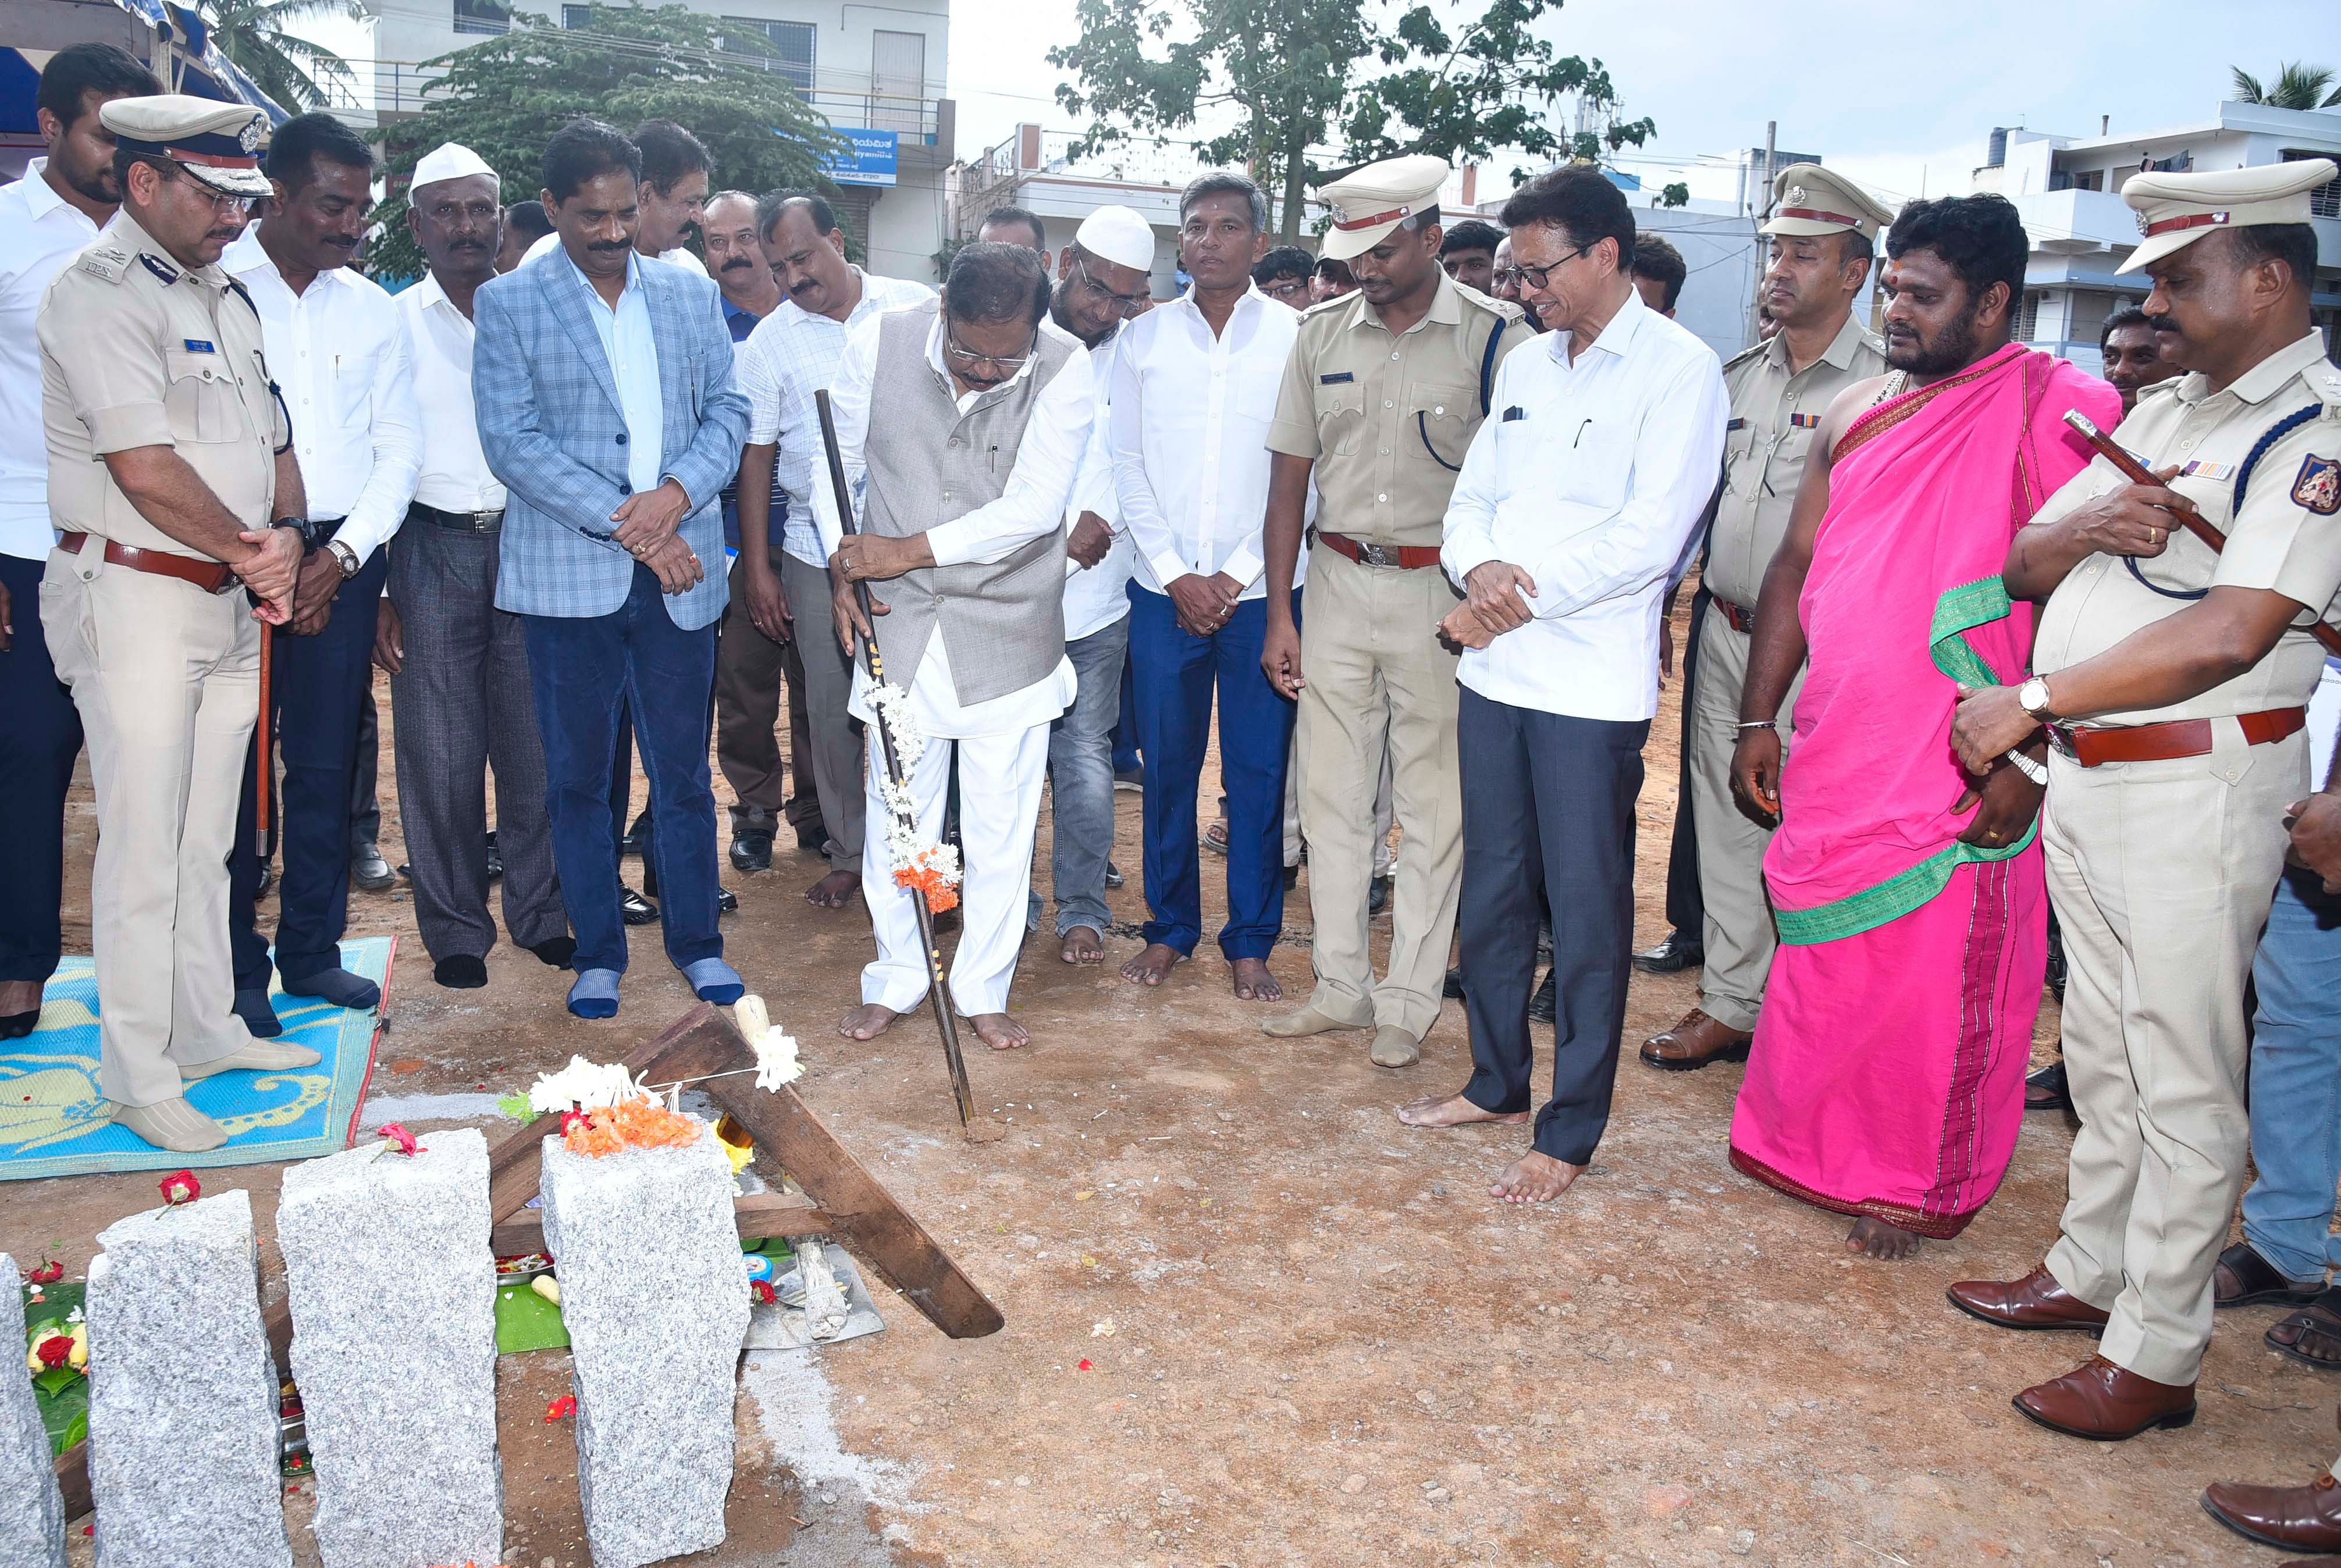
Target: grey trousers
x=1080, y=778
x=461, y=703
x=836, y=734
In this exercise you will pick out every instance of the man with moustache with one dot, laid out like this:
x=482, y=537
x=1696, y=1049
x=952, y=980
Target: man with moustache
x=1819, y=245
x=458, y=665
x=1504, y=283
x=2132, y=351
x=156, y=400
x=1101, y=284
x=603, y=386
x=677, y=173
x=792, y=353
x=339, y=352
x=47, y=216
x=750, y=669
x=1380, y=398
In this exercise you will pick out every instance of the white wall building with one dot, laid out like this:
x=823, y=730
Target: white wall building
x=876, y=70
x=2069, y=191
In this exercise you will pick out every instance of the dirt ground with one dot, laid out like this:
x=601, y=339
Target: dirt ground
x=1251, y=1320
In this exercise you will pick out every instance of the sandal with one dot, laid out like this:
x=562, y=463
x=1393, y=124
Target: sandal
x=2244, y=1278
x=2316, y=1331
x=1215, y=836
x=2045, y=1090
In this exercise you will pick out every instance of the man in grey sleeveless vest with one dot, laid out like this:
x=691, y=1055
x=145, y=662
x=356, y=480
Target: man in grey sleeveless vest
x=961, y=488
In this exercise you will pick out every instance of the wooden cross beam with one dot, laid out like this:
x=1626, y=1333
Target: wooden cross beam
x=840, y=1197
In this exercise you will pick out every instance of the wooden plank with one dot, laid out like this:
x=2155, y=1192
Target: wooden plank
x=861, y=1212
x=760, y=1215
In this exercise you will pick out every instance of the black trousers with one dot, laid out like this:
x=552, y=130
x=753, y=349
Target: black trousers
x=40, y=736
x=1548, y=819
x=318, y=685
x=1685, y=910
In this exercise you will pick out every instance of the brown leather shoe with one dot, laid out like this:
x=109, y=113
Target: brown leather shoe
x=2305, y=1518
x=1694, y=1042
x=2036, y=1301
x=2107, y=1403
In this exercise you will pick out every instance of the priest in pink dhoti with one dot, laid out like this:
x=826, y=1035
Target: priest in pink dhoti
x=1885, y=1079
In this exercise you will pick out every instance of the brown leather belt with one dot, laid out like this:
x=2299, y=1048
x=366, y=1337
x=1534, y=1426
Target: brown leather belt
x=2179, y=738
x=211, y=576
x=1405, y=557
x=1741, y=618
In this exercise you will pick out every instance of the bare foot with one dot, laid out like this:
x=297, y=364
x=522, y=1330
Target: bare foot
x=1083, y=945
x=1451, y=1111
x=1000, y=1031
x=867, y=1022
x=834, y=891
x=1535, y=1178
x=1254, y=983
x=1879, y=1239
x=1153, y=965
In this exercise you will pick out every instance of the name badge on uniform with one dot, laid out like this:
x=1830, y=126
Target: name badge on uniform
x=1336, y=378
x=2211, y=471
x=1805, y=421
x=1513, y=412
x=197, y=346
x=1731, y=425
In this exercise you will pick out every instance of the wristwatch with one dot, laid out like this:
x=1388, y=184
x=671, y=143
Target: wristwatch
x=344, y=557
x=2033, y=698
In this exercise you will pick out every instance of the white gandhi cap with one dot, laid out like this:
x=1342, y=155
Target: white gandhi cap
x=1118, y=235
x=451, y=161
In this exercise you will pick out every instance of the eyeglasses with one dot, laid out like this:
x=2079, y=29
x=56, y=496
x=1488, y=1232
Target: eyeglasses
x=1004, y=368
x=1535, y=277
x=1123, y=304
x=1286, y=289
x=219, y=200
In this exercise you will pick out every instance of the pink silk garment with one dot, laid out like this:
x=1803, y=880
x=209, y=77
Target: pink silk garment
x=1887, y=1077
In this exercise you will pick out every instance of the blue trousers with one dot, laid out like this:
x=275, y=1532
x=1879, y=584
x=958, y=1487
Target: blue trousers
x=1172, y=676
x=2295, y=1082
x=40, y=736
x=583, y=670
x=1548, y=820
x=317, y=686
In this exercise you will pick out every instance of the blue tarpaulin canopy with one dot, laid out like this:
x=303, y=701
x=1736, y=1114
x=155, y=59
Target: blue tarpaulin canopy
x=197, y=63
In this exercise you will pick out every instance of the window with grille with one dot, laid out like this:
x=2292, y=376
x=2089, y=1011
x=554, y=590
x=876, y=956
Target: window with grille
x=2325, y=201
x=2028, y=319
x=483, y=16
x=577, y=18
x=783, y=47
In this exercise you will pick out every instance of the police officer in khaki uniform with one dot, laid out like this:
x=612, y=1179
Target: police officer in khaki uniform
x=1382, y=394
x=2173, y=679
x=168, y=457
x=1823, y=233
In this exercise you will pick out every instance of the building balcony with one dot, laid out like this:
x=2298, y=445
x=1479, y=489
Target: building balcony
x=2076, y=223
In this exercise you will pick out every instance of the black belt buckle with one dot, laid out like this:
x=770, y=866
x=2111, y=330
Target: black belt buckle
x=463, y=522
x=1375, y=555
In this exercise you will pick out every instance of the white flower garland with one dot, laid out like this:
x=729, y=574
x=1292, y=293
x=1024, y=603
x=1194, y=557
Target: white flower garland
x=582, y=1086
x=911, y=855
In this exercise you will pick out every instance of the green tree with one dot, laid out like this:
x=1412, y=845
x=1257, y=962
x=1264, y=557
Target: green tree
x=2296, y=86
x=503, y=97
x=293, y=71
x=1300, y=75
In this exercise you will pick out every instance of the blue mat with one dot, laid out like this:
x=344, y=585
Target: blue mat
x=53, y=1120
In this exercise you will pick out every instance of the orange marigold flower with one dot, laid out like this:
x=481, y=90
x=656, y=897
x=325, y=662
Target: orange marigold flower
x=629, y=1124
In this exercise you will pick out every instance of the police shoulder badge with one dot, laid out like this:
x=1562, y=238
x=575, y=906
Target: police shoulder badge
x=2318, y=488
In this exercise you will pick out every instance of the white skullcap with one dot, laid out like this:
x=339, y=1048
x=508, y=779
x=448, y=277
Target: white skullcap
x=1118, y=235
x=451, y=161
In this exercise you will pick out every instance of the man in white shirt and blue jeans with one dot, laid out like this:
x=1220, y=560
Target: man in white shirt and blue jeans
x=1573, y=508
x=1195, y=388
x=45, y=218
x=338, y=352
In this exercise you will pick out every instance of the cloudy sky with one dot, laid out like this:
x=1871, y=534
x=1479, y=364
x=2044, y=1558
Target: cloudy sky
x=1896, y=93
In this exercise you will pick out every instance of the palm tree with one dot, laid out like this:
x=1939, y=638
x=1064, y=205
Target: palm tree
x=2296, y=86
x=291, y=70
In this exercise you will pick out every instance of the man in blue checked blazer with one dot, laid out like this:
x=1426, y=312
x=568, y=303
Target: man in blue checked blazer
x=603, y=384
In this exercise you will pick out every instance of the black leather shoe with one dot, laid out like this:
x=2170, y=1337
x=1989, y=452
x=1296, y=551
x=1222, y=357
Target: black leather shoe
x=495, y=856
x=1377, y=897
x=752, y=850
x=267, y=883
x=1545, y=1005
x=633, y=909
x=1679, y=951
x=1291, y=877
x=727, y=902
x=631, y=842
x=368, y=870
x=2045, y=1090
x=1453, y=989
x=812, y=834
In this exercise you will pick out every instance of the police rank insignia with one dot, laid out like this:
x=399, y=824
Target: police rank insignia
x=2318, y=488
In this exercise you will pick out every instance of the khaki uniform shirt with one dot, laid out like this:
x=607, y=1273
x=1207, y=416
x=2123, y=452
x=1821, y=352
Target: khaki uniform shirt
x=1774, y=415
x=138, y=351
x=2286, y=537
x=1387, y=420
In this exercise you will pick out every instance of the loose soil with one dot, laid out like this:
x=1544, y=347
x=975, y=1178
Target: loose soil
x=1251, y=1320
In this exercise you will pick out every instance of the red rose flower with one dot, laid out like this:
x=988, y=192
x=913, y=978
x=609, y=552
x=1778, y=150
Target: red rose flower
x=48, y=1273
x=560, y=1409
x=1084, y=1366
x=396, y=1133
x=762, y=1291
x=53, y=1351
x=180, y=1187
